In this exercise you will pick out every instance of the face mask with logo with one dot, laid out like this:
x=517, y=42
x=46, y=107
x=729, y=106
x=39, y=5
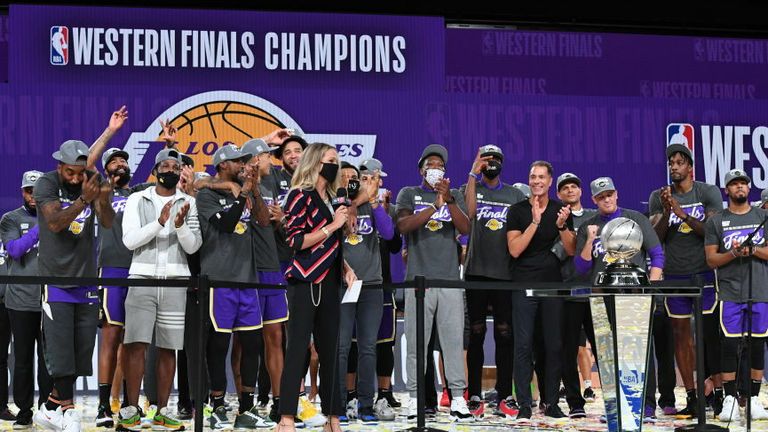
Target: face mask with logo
x=168, y=179
x=433, y=176
x=493, y=169
x=353, y=188
x=329, y=171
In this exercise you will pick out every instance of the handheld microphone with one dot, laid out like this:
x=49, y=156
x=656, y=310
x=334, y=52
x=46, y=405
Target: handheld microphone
x=341, y=199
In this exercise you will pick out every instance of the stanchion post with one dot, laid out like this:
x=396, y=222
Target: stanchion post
x=203, y=285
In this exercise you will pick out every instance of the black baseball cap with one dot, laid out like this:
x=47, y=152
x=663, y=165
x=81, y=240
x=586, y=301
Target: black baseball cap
x=292, y=138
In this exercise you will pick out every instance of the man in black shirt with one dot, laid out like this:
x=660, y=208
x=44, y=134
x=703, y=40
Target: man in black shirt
x=533, y=227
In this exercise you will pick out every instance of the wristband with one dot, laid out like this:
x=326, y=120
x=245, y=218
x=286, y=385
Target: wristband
x=477, y=177
x=453, y=200
x=535, y=223
x=325, y=231
x=562, y=228
x=83, y=200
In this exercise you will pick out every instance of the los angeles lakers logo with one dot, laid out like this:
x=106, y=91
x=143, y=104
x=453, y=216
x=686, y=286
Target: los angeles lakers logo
x=240, y=228
x=493, y=225
x=684, y=228
x=75, y=227
x=207, y=121
x=354, y=239
x=434, y=225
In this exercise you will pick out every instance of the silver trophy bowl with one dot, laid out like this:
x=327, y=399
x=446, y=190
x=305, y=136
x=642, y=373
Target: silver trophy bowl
x=622, y=239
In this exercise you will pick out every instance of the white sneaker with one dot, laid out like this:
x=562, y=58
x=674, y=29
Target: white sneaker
x=730, y=412
x=71, y=422
x=307, y=413
x=146, y=421
x=383, y=411
x=413, y=408
x=757, y=411
x=47, y=419
x=352, y=409
x=460, y=412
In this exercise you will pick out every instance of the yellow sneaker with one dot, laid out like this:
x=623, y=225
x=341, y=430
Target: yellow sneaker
x=114, y=405
x=309, y=414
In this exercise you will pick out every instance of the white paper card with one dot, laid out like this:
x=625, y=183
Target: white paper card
x=353, y=293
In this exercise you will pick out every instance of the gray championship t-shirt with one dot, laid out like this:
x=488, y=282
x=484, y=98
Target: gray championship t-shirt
x=566, y=268
x=21, y=297
x=279, y=184
x=433, y=250
x=487, y=252
x=112, y=251
x=683, y=248
x=599, y=259
x=69, y=252
x=264, y=238
x=361, y=249
x=722, y=230
x=226, y=256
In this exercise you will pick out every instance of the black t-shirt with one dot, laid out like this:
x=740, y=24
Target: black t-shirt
x=537, y=263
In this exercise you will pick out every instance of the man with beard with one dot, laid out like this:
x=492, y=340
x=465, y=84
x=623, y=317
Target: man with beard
x=114, y=259
x=678, y=213
x=20, y=235
x=432, y=215
x=488, y=200
x=69, y=200
x=227, y=224
x=577, y=319
x=738, y=266
x=160, y=226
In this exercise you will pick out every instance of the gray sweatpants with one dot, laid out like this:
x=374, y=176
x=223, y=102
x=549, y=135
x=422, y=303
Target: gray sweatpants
x=443, y=307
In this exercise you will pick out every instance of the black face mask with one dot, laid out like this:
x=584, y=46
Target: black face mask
x=493, y=169
x=168, y=179
x=353, y=188
x=329, y=171
x=123, y=177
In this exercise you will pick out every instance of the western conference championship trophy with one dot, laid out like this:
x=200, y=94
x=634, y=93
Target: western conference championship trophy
x=622, y=325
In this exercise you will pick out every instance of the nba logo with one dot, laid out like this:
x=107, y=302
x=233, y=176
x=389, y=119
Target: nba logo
x=681, y=133
x=59, y=45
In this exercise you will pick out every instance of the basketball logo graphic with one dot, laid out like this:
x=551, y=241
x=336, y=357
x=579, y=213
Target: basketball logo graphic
x=354, y=239
x=207, y=121
x=493, y=225
x=434, y=225
x=240, y=228
x=59, y=38
x=75, y=227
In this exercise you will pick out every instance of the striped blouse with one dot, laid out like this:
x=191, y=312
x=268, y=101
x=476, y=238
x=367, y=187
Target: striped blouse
x=306, y=213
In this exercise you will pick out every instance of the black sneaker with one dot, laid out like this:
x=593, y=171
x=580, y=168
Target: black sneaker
x=22, y=424
x=589, y=394
x=717, y=405
x=554, y=411
x=689, y=411
x=184, y=412
x=104, y=417
x=273, y=415
x=387, y=394
x=430, y=412
x=577, y=413
x=7, y=415
x=525, y=413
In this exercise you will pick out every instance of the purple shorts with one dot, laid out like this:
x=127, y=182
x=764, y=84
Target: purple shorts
x=733, y=319
x=113, y=297
x=387, y=326
x=233, y=309
x=682, y=307
x=273, y=302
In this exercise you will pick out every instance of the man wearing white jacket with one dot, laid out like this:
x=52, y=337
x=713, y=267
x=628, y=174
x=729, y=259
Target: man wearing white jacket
x=160, y=226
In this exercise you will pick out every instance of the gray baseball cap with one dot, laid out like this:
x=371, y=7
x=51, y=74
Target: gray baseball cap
x=524, y=188
x=72, y=152
x=492, y=150
x=736, y=174
x=166, y=154
x=764, y=196
x=600, y=185
x=434, y=149
x=679, y=148
x=568, y=178
x=256, y=147
x=110, y=153
x=227, y=153
x=29, y=178
x=371, y=166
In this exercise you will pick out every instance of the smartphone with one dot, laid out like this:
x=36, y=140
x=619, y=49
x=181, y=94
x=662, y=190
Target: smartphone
x=382, y=195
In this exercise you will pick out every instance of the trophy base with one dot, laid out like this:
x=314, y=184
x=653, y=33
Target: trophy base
x=622, y=274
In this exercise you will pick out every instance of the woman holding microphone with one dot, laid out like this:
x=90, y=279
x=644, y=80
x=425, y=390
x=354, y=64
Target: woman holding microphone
x=314, y=231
